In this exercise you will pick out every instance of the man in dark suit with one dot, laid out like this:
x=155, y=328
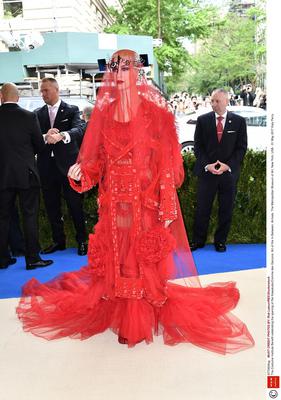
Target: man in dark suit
x=62, y=130
x=20, y=140
x=220, y=143
x=86, y=115
x=247, y=95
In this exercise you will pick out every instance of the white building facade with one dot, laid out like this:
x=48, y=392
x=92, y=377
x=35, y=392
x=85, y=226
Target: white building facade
x=55, y=15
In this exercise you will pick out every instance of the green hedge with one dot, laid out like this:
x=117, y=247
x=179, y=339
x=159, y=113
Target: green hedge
x=249, y=218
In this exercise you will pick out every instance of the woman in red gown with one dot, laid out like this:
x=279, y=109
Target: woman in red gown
x=139, y=244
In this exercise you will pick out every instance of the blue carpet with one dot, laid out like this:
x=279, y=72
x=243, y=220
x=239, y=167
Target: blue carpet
x=238, y=257
x=13, y=278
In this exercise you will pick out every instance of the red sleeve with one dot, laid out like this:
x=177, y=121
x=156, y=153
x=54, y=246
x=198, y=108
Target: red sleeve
x=88, y=180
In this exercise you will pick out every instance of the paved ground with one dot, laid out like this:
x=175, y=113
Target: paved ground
x=102, y=369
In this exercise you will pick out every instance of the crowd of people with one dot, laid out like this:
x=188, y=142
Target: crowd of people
x=185, y=103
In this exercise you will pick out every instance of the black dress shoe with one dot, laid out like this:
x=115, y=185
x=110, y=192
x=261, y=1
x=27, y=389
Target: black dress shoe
x=9, y=261
x=82, y=249
x=53, y=247
x=220, y=247
x=39, y=264
x=194, y=246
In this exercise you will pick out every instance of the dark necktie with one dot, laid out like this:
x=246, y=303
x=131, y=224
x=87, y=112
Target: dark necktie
x=219, y=128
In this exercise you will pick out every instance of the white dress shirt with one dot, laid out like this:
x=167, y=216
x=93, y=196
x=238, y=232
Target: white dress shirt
x=223, y=121
x=66, y=137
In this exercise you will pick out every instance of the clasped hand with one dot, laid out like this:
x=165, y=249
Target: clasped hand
x=53, y=136
x=75, y=172
x=218, y=168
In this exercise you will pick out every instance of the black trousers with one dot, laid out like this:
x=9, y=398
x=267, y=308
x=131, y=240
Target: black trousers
x=208, y=186
x=16, y=239
x=52, y=188
x=29, y=206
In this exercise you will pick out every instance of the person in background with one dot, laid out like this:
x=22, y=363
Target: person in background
x=232, y=100
x=86, y=113
x=16, y=240
x=260, y=99
x=20, y=140
x=62, y=130
x=263, y=101
x=247, y=95
x=220, y=143
x=194, y=102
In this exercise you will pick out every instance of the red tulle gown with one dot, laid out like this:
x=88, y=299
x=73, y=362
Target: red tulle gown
x=135, y=159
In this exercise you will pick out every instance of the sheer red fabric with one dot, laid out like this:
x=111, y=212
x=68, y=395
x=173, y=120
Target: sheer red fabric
x=131, y=151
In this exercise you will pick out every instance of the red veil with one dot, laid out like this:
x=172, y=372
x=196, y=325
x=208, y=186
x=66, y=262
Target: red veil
x=125, y=96
x=131, y=151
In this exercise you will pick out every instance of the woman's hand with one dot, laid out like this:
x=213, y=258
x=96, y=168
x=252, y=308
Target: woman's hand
x=167, y=223
x=75, y=172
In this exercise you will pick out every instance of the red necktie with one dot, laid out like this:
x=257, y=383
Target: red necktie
x=219, y=128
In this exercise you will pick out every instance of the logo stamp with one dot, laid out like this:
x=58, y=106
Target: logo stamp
x=273, y=382
x=273, y=394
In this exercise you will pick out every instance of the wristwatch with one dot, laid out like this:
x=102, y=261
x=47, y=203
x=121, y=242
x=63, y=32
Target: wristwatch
x=62, y=135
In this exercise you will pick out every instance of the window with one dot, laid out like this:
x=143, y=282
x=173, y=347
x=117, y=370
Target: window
x=252, y=119
x=12, y=8
x=256, y=121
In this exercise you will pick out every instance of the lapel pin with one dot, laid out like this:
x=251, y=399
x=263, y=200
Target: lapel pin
x=229, y=121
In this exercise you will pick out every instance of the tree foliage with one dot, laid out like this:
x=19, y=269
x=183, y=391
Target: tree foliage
x=232, y=54
x=168, y=20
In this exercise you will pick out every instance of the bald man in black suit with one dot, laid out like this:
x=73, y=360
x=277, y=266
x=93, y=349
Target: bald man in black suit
x=220, y=143
x=20, y=140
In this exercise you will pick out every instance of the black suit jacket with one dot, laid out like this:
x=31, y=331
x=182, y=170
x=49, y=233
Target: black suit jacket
x=247, y=101
x=230, y=150
x=67, y=119
x=20, y=140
